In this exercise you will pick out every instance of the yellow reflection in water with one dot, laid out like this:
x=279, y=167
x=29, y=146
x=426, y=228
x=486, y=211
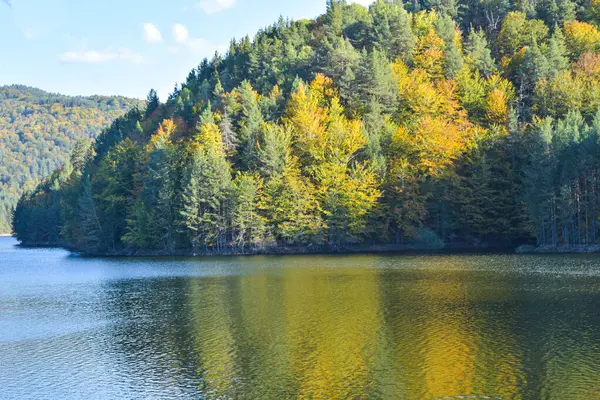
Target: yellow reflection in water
x=363, y=332
x=215, y=341
x=332, y=320
x=445, y=346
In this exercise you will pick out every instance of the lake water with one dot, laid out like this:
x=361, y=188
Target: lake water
x=320, y=327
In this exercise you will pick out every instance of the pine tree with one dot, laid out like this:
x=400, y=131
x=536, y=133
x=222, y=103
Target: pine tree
x=478, y=53
x=152, y=103
x=392, y=29
x=247, y=225
x=205, y=187
x=249, y=125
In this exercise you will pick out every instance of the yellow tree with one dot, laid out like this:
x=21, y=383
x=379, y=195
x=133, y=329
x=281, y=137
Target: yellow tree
x=430, y=55
x=326, y=143
x=581, y=37
x=433, y=134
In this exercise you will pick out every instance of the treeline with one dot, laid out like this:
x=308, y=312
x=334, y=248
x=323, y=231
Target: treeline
x=37, y=132
x=417, y=123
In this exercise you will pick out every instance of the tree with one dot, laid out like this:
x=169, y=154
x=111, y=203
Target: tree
x=152, y=215
x=327, y=142
x=205, y=187
x=152, y=102
x=274, y=147
x=580, y=38
x=392, y=29
x=478, y=53
x=249, y=125
x=291, y=207
x=517, y=31
x=247, y=225
x=430, y=56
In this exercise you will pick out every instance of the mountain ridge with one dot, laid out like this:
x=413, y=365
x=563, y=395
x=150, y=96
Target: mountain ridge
x=38, y=129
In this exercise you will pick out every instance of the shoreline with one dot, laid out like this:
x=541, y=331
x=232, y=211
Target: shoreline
x=325, y=250
x=357, y=250
x=282, y=250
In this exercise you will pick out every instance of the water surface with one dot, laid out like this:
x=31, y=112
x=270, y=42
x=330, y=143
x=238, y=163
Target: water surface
x=335, y=327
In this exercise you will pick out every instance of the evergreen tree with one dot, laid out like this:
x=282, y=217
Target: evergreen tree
x=205, y=187
x=248, y=227
x=478, y=53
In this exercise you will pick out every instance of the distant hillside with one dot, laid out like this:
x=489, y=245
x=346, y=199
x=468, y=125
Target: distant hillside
x=37, y=132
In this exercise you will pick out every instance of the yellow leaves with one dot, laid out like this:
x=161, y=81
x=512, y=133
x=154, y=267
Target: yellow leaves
x=581, y=37
x=321, y=131
x=471, y=87
x=345, y=136
x=291, y=206
x=275, y=92
x=560, y=94
x=307, y=120
x=436, y=129
x=575, y=89
x=457, y=39
x=500, y=94
x=323, y=89
x=429, y=55
x=567, y=91
x=57, y=108
x=497, y=107
x=402, y=147
x=416, y=90
x=325, y=141
x=497, y=82
x=163, y=136
x=354, y=190
x=487, y=100
x=401, y=73
x=209, y=139
x=439, y=143
x=433, y=147
x=423, y=22
x=422, y=97
x=517, y=31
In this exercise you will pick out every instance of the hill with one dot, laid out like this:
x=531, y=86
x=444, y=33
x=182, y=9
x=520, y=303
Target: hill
x=418, y=124
x=38, y=130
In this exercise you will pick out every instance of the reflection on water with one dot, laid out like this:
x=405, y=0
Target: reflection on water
x=390, y=327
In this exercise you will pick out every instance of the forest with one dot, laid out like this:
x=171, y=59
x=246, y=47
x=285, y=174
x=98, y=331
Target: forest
x=37, y=132
x=419, y=124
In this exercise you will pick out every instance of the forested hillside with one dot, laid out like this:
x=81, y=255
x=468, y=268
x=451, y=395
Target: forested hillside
x=37, y=132
x=422, y=123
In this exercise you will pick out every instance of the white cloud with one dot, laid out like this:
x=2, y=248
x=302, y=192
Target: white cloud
x=152, y=34
x=100, y=57
x=180, y=33
x=214, y=6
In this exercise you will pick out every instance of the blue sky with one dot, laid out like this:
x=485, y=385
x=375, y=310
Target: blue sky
x=125, y=47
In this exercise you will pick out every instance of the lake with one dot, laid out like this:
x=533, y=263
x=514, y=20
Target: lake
x=320, y=327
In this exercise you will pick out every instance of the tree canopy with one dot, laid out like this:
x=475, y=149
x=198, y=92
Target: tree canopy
x=408, y=123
